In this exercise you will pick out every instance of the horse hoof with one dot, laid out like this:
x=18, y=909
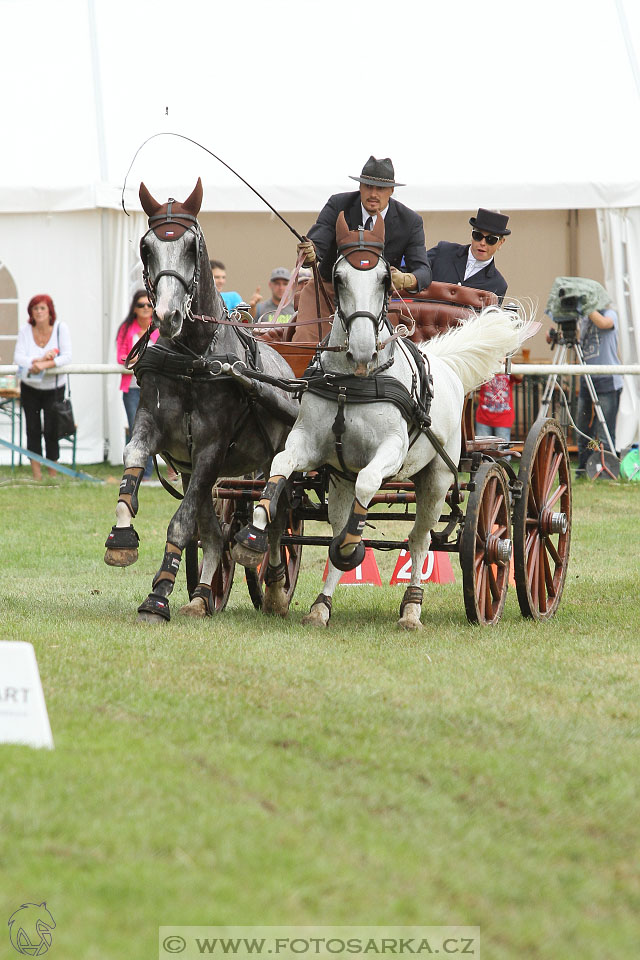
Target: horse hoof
x=275, y=604
x=317, y=617
x=154, y=609
x=348, y=556
x=246, y=557
x=409, y=623
x=120, y=558
x=195, y=608
x=151, y=618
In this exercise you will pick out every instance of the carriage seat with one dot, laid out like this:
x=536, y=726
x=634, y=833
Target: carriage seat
x=439, y=307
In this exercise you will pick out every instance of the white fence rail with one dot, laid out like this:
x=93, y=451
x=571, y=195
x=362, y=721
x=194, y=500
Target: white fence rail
x=527, y=369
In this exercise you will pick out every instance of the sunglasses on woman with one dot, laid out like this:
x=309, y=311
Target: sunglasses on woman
x=139, y=306
x=478, y=235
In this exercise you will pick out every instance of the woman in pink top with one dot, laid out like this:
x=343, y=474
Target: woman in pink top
x=137, y=322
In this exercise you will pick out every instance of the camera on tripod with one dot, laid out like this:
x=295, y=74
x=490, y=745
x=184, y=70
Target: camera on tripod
x=570, y=309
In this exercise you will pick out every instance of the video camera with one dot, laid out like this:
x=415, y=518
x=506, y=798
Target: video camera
x=570, y=307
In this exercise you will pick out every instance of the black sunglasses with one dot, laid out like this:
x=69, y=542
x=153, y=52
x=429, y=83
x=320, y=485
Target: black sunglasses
x=491, y=240
x=142, y=305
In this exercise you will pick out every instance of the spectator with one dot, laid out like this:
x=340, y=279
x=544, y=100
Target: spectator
x=495, y=412
x=266, y=309
x=304, y=276
x=136, y=323
x=44, y=342
x=473, y=264
x=231, y=297
x=598, y=333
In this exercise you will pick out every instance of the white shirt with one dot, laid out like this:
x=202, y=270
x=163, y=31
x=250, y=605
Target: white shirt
x=365, y=215
x=27, y=350
x=474, y=266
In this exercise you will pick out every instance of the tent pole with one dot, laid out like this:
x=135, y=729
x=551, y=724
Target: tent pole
x=572, y=223
x=104, y=229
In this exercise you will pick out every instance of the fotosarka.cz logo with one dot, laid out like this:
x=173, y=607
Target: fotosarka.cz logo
x=319, y=943
x=30, y=929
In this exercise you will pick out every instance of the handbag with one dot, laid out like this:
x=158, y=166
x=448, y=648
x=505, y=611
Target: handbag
x=64, y=419
x=63, y=414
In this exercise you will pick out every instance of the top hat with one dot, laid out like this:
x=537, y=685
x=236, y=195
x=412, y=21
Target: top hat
x=491, y=221
x=377, y=173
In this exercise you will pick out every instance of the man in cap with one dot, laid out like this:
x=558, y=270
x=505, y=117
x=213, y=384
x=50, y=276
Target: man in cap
x=404, y=244
x=472, y=264
x=266, y=309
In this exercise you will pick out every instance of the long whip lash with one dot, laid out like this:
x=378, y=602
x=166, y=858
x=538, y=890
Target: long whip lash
x=167, y=133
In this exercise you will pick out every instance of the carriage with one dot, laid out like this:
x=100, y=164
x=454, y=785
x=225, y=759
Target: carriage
x=190, y=387
x=517, y=521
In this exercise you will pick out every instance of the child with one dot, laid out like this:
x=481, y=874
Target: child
x=495, y=412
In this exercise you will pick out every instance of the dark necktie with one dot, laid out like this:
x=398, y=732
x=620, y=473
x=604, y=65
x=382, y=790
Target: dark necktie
x=369, y=224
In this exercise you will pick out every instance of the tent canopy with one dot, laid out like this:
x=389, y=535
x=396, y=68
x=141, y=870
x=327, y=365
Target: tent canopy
x=507, y=105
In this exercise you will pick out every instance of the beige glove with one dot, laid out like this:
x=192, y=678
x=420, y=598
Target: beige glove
x=307, y=248
x=403, y=281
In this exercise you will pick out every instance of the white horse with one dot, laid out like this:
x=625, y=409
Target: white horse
x=374, y=441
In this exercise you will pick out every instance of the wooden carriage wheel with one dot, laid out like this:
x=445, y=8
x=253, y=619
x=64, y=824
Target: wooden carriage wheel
x=222, y=580
x=290, y=555
x=542, y=521
x=485, y=546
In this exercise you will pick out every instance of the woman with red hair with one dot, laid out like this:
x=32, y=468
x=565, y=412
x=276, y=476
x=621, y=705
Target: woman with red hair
x=43, y=342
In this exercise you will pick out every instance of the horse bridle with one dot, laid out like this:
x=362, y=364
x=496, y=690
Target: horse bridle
x=363, y=245
x=168, y=218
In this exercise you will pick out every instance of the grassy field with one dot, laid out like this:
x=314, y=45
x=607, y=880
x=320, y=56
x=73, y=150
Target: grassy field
x=246, y=771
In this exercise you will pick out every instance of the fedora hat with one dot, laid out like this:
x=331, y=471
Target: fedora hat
x=377, y=173
x=491, y=221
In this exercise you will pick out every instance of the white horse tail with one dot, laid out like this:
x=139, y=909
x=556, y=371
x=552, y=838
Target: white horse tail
x=475, y=349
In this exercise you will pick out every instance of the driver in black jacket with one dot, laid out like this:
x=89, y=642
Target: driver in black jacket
x=404, y=244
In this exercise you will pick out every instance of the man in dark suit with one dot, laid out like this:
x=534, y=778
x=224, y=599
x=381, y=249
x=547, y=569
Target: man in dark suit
x=403, y=229
x=473, y=264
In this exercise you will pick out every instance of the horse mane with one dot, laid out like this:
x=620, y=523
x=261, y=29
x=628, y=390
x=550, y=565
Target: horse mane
x=475, y=349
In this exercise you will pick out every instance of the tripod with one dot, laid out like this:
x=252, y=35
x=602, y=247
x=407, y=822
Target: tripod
x=566, y=341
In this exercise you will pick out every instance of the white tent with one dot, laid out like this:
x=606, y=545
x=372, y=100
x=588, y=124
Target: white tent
x=527, y=107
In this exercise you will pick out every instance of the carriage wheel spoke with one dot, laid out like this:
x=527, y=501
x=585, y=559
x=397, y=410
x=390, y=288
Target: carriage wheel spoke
x=547, y=472
x=559, y=492
x=497, y=508
x=493, y=583
x=483, y=526
x=532, y=563
x=536, y=478
x=540, y=584
x=550, y=477
x=488, y=594
x=482, y=586
x=554, y=553
x=548, y=575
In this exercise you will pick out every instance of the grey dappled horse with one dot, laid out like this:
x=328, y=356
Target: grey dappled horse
x=368, y=443
x=205, y=421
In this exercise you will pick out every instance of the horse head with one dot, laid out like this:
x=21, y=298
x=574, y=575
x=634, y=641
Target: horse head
x=361, y=279
x=171, y=252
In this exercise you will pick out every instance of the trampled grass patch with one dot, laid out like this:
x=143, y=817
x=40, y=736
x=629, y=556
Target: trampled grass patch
x=246, y=771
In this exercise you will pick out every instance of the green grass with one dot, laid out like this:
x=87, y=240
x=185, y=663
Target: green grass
x=246, y=771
